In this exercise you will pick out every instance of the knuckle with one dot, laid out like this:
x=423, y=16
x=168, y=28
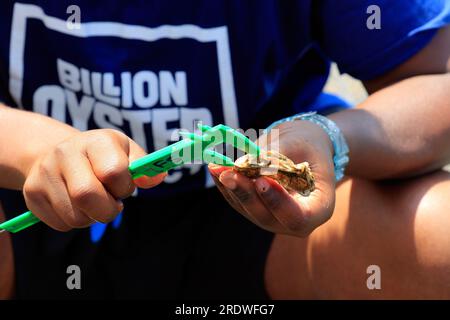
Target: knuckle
x=110, y=131
x=107, y=215
x=113, y=172
x=33, y=192
x=72, y=217
x=84, y=195
x=43, y=169
x=118, y=134
x=60, y=151
x=110, y=134
x=96, y=136
x=78, y=221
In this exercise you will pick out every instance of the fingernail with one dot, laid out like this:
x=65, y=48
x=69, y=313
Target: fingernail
x=262, y=185
x=227, y=179
x=120, y=204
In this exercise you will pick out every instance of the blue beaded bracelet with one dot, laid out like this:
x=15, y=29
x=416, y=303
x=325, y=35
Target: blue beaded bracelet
x=340, y=158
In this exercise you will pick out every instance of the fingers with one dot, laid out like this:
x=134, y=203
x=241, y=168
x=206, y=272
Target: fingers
x=266, y=203
x=239, y=191
x=41, y=208
x=62, y=205
x=82, y=179
x=86, y=192
x=299, y=215
x=46, y=196
x=244, y=191
x=284, y=207
x=229, y=197
x=109, y=160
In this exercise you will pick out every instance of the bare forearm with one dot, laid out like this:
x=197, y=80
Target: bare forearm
x=23, y=136
x=7, y=275
x=402, y=130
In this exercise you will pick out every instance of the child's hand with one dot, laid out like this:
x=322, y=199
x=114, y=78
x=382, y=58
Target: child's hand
x=264, y=202
x=82, y=179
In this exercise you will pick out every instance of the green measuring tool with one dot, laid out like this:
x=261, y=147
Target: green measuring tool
x=192, y=148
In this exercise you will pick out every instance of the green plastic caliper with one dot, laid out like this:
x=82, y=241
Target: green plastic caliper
x=192, y=148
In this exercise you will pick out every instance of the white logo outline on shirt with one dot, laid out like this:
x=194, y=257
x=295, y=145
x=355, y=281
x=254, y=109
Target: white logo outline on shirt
x=219, y=35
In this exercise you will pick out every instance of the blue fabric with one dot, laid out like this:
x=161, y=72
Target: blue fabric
x=406, y=27
x=328, y=101
x=149, y=67
x=98, y=229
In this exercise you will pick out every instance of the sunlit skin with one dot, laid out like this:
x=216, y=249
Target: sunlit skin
x=325, y=242
x=393, y=212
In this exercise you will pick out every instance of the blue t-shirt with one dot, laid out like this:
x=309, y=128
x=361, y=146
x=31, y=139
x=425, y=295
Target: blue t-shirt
x=149, y=67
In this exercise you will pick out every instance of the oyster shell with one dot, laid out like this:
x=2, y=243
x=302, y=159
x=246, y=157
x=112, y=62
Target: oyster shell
x=293, y=177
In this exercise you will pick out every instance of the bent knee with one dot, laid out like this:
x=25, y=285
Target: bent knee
x=400, y=226
x=408, y=212
x=430, y=197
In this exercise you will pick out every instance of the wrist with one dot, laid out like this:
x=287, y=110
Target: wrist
x=25, y=137
x=47, y=139
x=339, y=145
x=310, y=133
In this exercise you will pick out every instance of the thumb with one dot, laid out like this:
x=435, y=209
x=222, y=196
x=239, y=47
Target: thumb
x=144, y=182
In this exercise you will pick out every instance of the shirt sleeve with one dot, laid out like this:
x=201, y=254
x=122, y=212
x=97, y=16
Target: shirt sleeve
x=406, y=26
